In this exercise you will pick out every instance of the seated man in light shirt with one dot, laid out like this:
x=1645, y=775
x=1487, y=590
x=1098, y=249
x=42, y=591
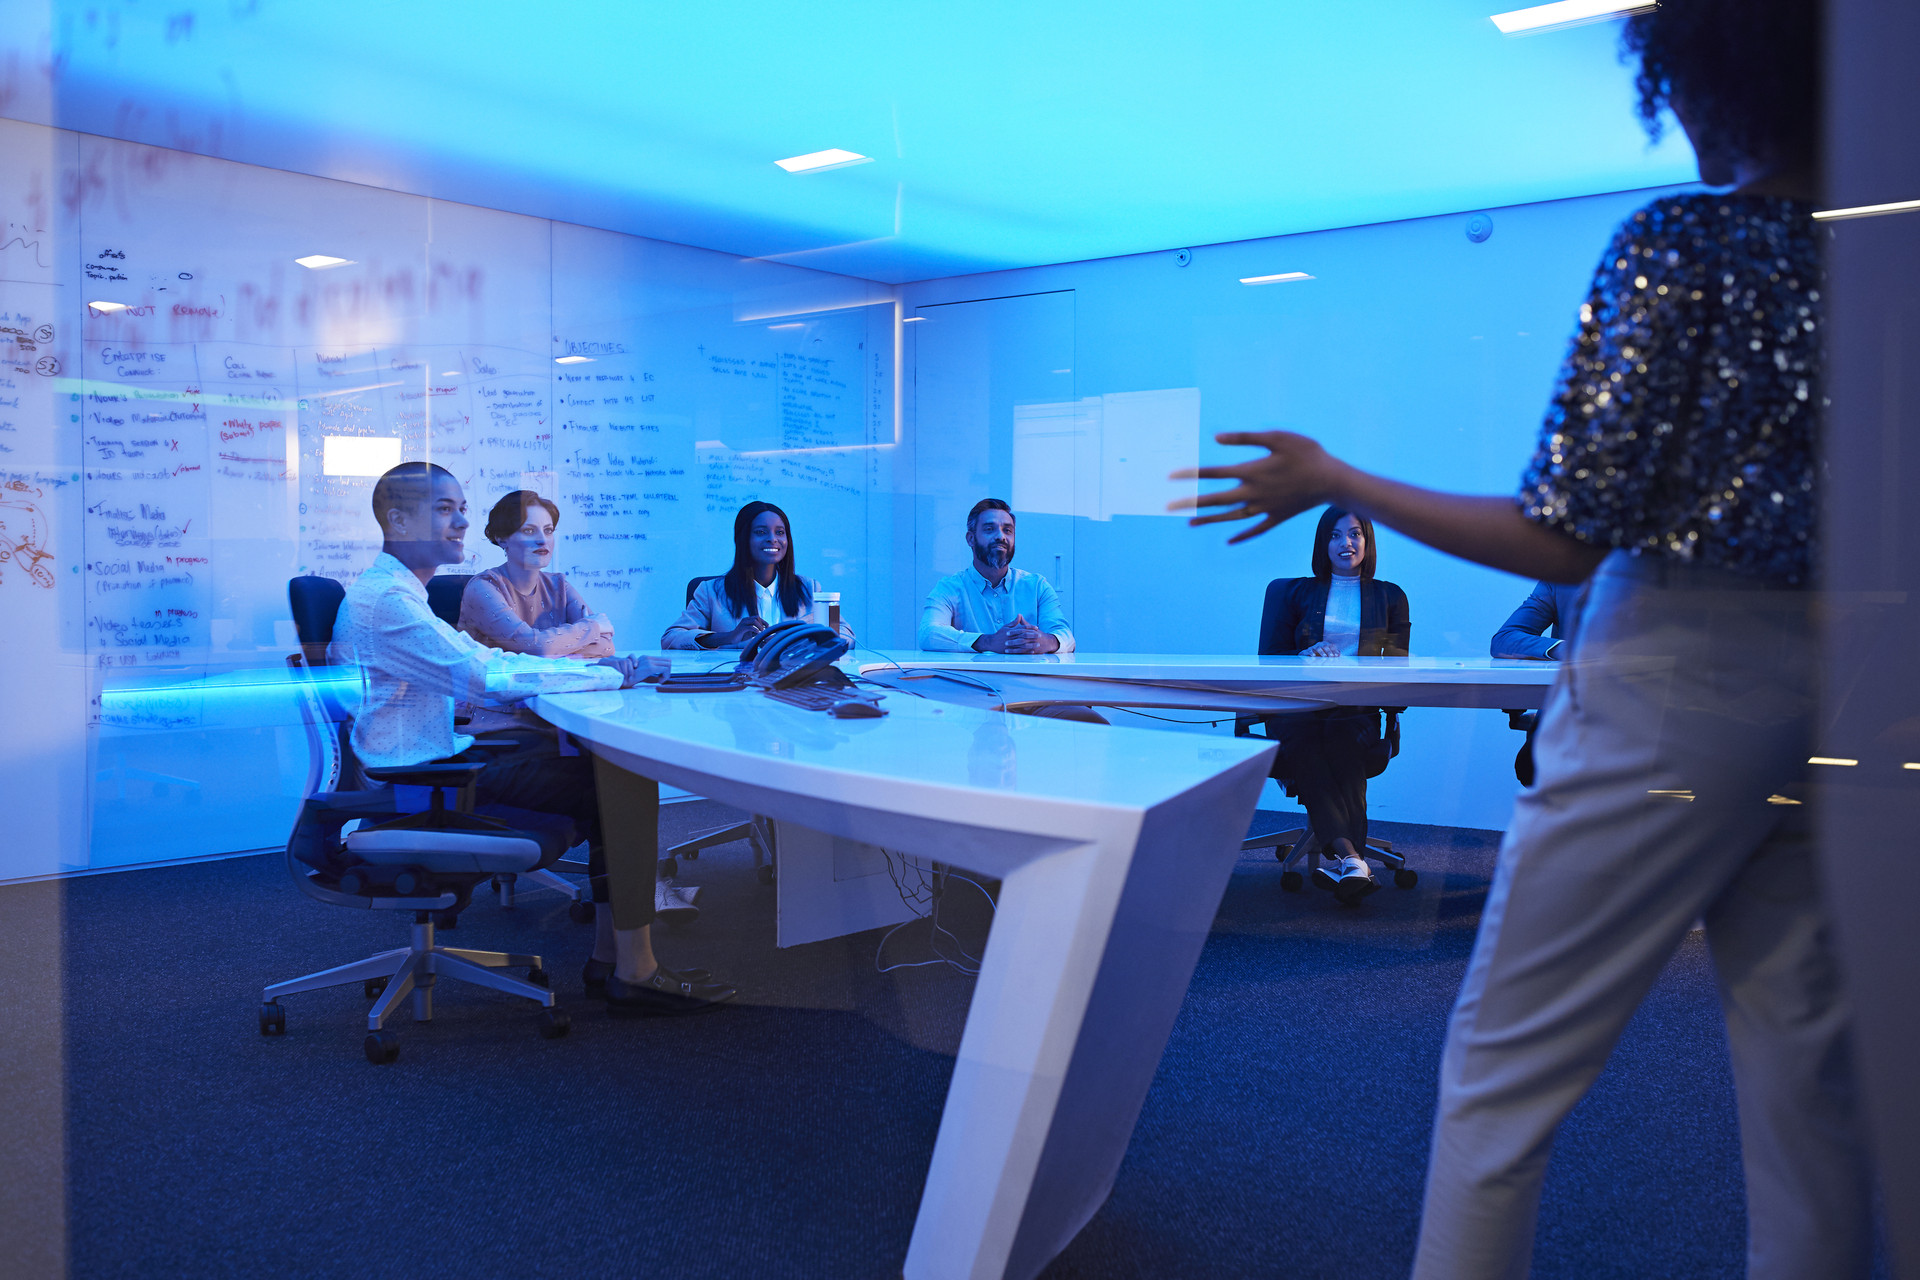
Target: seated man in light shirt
x=990, y=606
x=414, y=667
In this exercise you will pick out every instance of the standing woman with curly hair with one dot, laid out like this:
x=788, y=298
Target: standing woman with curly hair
x=1679, y=468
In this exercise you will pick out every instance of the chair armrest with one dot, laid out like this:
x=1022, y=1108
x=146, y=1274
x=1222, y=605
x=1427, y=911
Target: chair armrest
x=438, y=774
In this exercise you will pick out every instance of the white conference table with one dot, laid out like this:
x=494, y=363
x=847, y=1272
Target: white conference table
x=1217, y=682
x=1113, y=846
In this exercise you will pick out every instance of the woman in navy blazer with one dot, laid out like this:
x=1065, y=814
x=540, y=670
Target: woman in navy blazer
x=1327, y=756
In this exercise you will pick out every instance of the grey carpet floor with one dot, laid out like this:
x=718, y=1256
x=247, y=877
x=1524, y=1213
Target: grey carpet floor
x=149, y=1130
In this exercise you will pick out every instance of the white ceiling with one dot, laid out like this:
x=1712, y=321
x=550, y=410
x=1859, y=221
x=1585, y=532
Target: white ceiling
x=1003, y=134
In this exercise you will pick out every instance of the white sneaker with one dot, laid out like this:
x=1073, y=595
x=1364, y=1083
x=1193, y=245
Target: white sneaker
x=687, y=893
x=1354, y=881
x=669, y=907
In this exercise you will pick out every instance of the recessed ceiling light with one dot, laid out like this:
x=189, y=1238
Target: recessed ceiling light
x=573, y=359
x=1858, y=211
x=108, y=306
x=787, y=326
x=320, y=262
x=1566, y=13
x=1285, y=277
x=451, y=373
x=821, y=161
x=912, y=319
x=1839, y=760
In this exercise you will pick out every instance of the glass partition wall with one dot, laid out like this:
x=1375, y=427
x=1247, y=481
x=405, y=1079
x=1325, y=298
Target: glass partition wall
x=211, y=362
x=204, y=365
x=1426, y=349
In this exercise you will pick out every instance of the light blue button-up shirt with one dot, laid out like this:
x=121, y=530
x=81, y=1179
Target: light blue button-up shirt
x=965, y=606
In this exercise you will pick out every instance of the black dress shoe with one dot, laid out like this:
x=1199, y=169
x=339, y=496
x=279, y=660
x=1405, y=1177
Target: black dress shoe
x=596, y=972
x=665, y=994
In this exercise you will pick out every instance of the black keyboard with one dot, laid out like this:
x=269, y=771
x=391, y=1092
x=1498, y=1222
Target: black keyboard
x=702, y=682
x=815, y=697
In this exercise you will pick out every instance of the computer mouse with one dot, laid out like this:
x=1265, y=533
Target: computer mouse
x=855, y=711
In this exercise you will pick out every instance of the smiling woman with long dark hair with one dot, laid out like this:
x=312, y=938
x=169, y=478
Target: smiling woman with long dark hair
x=758, y=591
x=1340, y=611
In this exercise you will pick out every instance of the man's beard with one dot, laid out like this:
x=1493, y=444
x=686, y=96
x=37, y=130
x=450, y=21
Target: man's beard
x=996, y=555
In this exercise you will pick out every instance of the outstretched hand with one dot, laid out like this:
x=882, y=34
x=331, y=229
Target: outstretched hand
x=1295, y=475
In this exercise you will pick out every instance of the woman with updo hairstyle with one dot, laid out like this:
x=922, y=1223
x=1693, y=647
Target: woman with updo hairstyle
x=521, y=607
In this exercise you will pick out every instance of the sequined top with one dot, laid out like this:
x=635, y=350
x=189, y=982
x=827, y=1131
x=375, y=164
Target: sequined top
x=1686, y=418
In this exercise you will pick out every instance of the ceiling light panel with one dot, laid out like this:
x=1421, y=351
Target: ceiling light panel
x=1565, y=13
x=320, y=262
x=573, y=359
x=821, y=161
x=108, y=306
x=1285, y=277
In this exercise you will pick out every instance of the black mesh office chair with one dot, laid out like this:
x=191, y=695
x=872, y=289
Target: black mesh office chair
x=354, y=848
x=444, y=592
x=1301, y=844
x=756, y=830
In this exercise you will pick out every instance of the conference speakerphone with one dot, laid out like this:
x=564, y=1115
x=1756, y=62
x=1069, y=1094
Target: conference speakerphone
x=790, y=663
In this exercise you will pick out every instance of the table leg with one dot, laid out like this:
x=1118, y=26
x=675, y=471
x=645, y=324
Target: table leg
x=1084, y=973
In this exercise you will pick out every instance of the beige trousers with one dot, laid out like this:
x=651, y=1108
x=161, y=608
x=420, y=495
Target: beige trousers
x=1682, y=721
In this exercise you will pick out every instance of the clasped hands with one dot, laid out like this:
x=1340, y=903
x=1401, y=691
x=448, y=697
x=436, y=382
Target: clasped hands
x=1018, y=636
x=1295, y=475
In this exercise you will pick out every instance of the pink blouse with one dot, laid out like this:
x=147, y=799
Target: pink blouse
x=551, y=621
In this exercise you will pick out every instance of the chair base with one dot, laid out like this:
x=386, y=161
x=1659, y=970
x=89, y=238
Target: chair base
x=504, y=886
x=413, y=970
x=757, y=831
x=1303, y=844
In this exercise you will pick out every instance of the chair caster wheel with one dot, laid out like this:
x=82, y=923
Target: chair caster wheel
x=554, y=1023
x=382, y=1047
x=765, y=874
x=580, y=913
x=539, y=978
x=273, y=1019
x=372, y=987
x=691, y=855
x=1406, y=878
x=1293, y=882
